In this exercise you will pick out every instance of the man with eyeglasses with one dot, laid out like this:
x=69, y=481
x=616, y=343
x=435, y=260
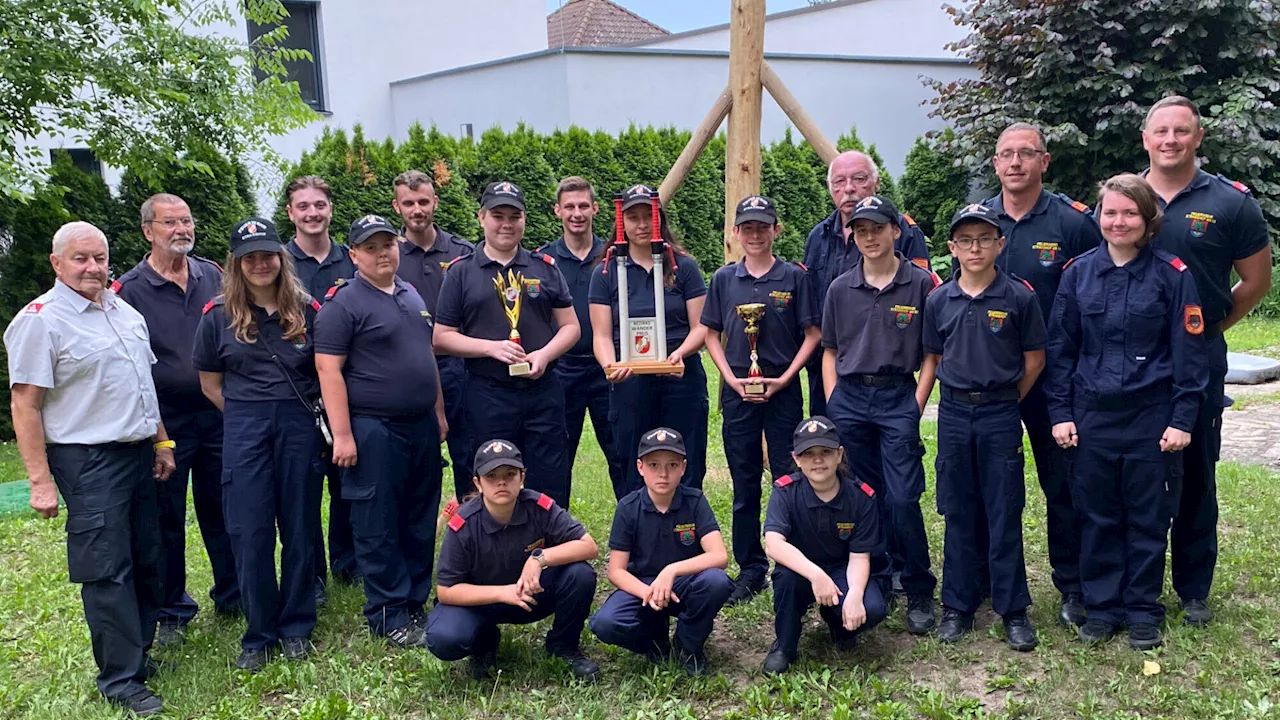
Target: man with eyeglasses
x=170, y=288
x=1042, y=232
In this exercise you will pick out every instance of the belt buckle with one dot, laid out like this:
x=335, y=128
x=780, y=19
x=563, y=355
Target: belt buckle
x=868, y=380
x=975, y=398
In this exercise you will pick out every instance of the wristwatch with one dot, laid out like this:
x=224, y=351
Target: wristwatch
x=542, y=559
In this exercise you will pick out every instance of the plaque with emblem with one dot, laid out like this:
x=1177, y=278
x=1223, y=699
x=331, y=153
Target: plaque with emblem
x=643, y=341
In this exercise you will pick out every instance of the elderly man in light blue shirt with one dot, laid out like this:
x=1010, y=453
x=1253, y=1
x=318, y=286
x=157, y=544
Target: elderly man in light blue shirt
x=86, y=417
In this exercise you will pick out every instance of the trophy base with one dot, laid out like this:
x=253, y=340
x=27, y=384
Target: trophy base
x=519, y=369
x=652, y=367
x=753, y=388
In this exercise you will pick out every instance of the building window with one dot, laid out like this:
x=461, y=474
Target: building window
x=304, y=34
x=84, y=160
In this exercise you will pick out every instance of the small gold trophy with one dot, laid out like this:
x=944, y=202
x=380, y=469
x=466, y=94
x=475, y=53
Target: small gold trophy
x=751, y=314
x=511, y=294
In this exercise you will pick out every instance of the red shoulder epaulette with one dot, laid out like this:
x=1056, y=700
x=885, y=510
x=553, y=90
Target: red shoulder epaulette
x=34, y=307
x=1024, y=282
x=922, y=263
x=332, y=291
x=219, y=267
x=1068, y=263
x=545, y=502
x=1240, y=186
x=936, y=280
x=115, y=286
x=1177, y=263
x=208, y=306
x=868, y=490
x=783, y=481
x=456, y=522
x=315, y=305
x=1079, y=206
x=909, y=220
x=547, y=259
x=802, y=267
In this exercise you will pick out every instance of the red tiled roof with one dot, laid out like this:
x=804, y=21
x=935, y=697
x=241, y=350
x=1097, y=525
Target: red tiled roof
x=593, y=23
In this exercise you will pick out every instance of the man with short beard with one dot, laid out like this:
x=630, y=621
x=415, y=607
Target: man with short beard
x=170, y=289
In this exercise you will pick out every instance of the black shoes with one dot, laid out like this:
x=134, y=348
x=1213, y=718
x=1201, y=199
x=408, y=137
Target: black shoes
x=583, y=667
x=253, y=660
x=1018, y=633
x=1144, y=636
x=170, y=635
x=483, y=664
x=744, y=589
x=1071, y=613
x=777, y=661
x=954, y=626
x=411, y=635
x=322, y=598
x=920, y=619
x=297, y=648
x=845, y=641
x=659, y=652
x=694, y=664
x=143, y=703
x=1196, y=613
x=1097, y=631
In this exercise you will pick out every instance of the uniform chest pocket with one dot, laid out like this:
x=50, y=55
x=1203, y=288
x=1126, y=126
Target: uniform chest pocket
x=88, y=350
x=1145, y=324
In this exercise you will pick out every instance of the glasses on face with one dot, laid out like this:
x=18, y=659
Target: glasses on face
x=1023, y=154
x=967, y=242
x=860, y=179
x=171, y=223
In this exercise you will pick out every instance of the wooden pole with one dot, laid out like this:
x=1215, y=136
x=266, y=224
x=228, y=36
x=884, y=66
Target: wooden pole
x=742, y=153
x=791, y=106
x=697, y=143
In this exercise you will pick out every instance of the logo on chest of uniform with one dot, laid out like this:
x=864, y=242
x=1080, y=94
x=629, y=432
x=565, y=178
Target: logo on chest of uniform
x=300, y=342
x=844, y=530
x=1199, y=223
x=995, y=320
x=444, y=266
x=903, y=315
x=1048, y=252
x=533, y=287
x=539, y=543
x=426, y=315
x=686, y=533
x=781, y=300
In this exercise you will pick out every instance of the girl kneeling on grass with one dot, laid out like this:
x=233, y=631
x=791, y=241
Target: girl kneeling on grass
x=820, y=530
x=511, y=556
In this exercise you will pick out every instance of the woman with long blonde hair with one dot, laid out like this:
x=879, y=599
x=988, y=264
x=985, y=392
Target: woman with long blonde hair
x=254, y=352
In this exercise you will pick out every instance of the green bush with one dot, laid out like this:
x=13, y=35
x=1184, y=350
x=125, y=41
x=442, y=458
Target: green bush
x=933, y=179
x=798, y=186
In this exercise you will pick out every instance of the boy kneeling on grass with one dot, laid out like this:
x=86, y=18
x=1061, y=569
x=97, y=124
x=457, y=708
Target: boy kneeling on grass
x=666, y=557
x=511, y=556
x=820, y=530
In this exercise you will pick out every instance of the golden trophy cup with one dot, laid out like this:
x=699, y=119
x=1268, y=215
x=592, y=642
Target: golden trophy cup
x=751, y=313
x=511, y=294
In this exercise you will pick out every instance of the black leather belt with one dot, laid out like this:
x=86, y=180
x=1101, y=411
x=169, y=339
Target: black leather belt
x=884, y=381
x=982, y=397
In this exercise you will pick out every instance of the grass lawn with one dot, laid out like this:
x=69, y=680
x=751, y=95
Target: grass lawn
x=1230, y=670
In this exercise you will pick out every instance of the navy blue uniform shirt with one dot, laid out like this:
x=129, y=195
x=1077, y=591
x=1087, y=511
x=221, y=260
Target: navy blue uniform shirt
x=172, y=318
x=577, y=278
x=248, y=372
x=1121, y=330
x=828, y=256
x=877, y=332
x=656, y=539
x=1210, y=225
x=1038, y=246
x=826, y=532
x=479, y=551
x=783, y=290
x=390, y=369
x=469, y=302
x=316, y=276
x=982, y=339
x=688, y=286
x=425, y=269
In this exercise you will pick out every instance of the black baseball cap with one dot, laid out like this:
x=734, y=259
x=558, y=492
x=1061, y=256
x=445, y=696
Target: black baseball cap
x=253, y=235
x=756, y=208
x=637, y=195
x=502, y=193
x=367, y=227
x=496, y=453
x=877, y=209
x=975, y=212
x=661, y=439
x=817, y=431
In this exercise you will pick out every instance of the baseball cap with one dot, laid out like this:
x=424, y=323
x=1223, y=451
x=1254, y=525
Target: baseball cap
x=367, y=227
x=496, y=453
x=661, y=439
x=980, y=213
x=502, y=193
x=637, y=195
x=877, y=209
x=253, y=235
x=817, y=431
x=756, y=208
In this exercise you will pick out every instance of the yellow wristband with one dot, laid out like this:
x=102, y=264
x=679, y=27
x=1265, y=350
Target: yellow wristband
x=165, y=445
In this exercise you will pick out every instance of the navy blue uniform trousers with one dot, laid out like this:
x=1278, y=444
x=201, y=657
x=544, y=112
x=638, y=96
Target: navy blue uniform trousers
x=1053, y=468
x=880, y=430
x=113, y=552
x=198, y=454
x=587, y=389
x=269, y=481
x=1193, y=543
x=1126, y=490
x=394, y=489
x=530, y=415
x=455, y=631
x=625, y=621
x=743, y=425
x=793, y=594
x=644, y=402
x=453, y=383
x=342, y=551
x=980, y=465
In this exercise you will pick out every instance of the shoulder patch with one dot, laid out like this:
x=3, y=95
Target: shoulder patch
x=783, y=481
x=33, y=308
x=1024, y=282
x=546, y=258
x=937, y=281
x=1067, y=264
x=867, y=489
x=1234, y=183
x=1177, y=263
x=315, y=305
x=909, y=219
x=217, y=266
x=456, y=260
x=456, y=522
x=1079, y=206
x=333, y=291
x=802, y=267
x=208, y=306
x=115, y=286
x=922, y=263
x=545, y=502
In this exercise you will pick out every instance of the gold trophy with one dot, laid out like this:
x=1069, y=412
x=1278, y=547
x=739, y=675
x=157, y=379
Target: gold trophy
x=511, y=294
x=751, y=314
